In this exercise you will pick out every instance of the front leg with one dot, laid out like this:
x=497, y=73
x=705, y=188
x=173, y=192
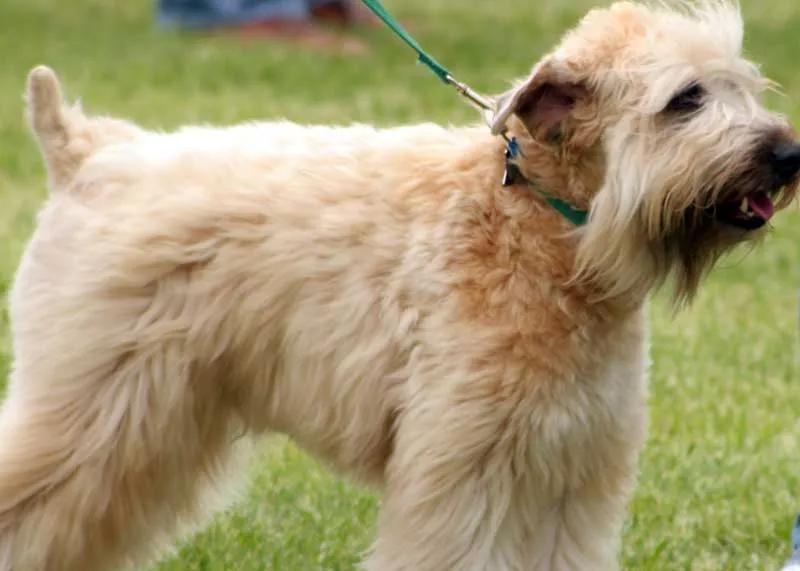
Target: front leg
x=487, y=479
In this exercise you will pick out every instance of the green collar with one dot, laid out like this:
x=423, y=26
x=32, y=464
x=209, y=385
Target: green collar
x=513, y=175
x=574, y=215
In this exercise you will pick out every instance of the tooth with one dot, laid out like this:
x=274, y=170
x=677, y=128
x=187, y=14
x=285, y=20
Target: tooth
x=744, y=206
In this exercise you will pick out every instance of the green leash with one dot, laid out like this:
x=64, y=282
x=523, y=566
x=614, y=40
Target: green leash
x=576, y=216
x=425, y=58
x=398, y=29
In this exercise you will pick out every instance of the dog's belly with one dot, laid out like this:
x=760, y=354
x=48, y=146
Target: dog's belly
x=339, y=401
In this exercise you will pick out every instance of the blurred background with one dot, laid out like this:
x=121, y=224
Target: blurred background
x=719, y=478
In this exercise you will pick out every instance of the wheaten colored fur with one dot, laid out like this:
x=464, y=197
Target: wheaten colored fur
x=378, y=296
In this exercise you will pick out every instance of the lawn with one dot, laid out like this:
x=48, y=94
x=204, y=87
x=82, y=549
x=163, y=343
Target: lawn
x=720, y=478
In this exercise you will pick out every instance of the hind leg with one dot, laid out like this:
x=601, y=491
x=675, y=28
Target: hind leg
x=96, y=479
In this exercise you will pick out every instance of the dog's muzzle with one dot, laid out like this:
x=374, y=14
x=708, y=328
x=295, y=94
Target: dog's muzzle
x=755, y=208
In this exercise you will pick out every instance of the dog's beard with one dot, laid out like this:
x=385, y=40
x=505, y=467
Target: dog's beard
x=689, y=253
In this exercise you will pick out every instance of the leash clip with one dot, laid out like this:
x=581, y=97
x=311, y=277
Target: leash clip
x=478, y=100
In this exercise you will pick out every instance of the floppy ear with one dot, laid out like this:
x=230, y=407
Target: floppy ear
x=543, y=103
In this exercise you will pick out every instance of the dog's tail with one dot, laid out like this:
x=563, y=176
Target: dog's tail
x=66, y=135
x=55, y=125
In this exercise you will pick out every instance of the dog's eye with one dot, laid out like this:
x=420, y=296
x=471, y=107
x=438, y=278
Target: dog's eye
x=689, y=100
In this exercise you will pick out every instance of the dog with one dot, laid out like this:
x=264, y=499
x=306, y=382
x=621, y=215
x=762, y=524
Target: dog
x=384, y=299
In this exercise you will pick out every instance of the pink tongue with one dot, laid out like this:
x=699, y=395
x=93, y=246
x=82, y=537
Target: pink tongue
x=761, y=204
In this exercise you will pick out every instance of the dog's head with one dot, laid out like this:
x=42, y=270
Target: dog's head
x=652, y=117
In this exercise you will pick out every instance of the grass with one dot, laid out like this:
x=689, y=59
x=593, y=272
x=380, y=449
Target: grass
x=719, y=481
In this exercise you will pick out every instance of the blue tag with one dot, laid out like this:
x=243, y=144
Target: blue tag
x=511, y=176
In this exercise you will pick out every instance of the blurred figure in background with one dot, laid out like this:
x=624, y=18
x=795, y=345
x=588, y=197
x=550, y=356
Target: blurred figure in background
x=298, y=20
x=794, y=563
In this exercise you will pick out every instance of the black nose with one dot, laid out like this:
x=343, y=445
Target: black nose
x=786, y=161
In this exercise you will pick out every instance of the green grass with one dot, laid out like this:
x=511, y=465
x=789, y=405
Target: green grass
x=720, y=475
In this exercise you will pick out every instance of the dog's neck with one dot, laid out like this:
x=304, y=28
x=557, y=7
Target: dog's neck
x=571, y=169
x=565, y=169
x=512, y=231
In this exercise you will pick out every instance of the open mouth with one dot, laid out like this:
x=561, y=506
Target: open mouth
x=748, y=213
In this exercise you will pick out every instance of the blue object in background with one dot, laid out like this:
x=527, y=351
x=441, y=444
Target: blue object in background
x=794, y=563
x=214, y=13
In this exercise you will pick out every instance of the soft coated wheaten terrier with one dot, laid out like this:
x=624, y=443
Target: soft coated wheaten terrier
x=382, y=298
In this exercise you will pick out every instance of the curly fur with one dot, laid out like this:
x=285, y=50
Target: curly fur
x=378, y=296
